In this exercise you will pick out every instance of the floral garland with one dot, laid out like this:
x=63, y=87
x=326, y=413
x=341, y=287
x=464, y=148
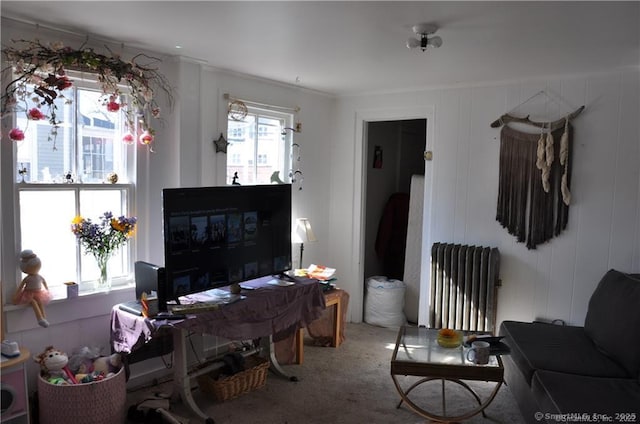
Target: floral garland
x=41, y=78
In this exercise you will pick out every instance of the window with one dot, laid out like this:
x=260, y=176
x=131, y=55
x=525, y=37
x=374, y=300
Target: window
x=54, y=185
x=259, y=147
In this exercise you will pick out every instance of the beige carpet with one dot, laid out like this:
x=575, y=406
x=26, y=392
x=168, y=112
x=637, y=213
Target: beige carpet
x=350, y=384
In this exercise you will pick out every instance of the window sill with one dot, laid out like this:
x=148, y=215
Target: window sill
x=58, y=311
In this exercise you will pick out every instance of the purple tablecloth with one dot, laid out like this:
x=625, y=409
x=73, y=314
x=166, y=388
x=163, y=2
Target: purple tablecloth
x=266, y=310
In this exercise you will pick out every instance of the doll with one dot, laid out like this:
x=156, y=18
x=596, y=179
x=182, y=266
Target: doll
x=33, y=289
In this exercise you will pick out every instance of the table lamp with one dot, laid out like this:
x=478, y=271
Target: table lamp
x=304, y=233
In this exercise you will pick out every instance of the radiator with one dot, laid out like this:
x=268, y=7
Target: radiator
x=464, y=283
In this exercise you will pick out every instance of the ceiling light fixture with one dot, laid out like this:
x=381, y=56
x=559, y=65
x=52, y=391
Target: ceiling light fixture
x=423, y=31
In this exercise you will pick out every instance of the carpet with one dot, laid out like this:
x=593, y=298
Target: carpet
x=344, y=385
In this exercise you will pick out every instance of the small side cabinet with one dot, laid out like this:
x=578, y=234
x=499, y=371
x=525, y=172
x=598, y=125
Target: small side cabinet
x=15, y=394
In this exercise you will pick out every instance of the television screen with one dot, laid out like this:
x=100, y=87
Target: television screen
x=216, y=236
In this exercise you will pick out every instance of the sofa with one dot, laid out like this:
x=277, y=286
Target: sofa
x=562, y=373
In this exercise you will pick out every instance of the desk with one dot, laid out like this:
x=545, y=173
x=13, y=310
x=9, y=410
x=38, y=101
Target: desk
x=268, y=312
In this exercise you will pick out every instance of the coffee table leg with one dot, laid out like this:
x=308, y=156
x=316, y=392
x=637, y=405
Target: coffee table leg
x=414, y=385
x=444, y=402
x=404, y=394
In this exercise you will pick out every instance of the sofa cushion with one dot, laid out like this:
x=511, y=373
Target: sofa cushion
x=557, y=392
x=613, y=319
x=541, y=346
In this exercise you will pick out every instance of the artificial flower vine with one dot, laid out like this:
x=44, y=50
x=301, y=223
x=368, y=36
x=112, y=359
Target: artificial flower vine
x=40, y=78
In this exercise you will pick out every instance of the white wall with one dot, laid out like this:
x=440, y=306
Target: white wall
x=555, y=280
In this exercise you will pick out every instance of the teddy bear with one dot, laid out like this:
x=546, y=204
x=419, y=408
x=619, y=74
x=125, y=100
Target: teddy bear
x=33, y=289
x=53, y=364
x=87, y=361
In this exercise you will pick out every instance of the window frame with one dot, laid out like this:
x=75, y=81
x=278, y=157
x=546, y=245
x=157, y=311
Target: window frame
x=287, y=161
x=11, y=187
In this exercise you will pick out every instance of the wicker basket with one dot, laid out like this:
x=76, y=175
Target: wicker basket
x=253, y=377
x=99, y=402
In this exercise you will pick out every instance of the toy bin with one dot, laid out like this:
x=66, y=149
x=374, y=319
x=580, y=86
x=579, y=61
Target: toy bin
x=99, y=402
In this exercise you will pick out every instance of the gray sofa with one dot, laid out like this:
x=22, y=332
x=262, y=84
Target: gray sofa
x=595, y=369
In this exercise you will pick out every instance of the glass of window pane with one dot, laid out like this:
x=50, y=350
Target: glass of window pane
x=241, y=149
x=93, y=204
x=47, y=231
x=36, y=152
x=99, y=138
x=270, y=149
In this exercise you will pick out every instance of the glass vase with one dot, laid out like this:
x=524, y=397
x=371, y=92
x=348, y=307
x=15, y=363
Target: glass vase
x=104, y=280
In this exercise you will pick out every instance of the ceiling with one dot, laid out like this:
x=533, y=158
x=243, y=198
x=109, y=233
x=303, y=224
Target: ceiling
x=354, y=47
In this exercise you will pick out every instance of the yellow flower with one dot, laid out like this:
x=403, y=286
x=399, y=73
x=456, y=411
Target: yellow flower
x=77, y=220
x=117, y=225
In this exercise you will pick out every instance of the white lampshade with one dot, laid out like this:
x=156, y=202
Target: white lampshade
x=304, y=232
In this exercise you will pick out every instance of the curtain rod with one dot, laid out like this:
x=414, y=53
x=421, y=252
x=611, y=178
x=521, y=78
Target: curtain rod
x=227, y=96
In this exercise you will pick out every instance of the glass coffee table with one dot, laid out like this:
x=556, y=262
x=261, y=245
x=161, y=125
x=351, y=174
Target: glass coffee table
x=418, y=354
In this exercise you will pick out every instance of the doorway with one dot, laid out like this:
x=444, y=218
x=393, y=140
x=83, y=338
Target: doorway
x=394, y=154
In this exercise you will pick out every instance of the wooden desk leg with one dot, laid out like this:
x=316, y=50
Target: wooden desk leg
x=337, y=320
x=300, y=346
x=337, y=325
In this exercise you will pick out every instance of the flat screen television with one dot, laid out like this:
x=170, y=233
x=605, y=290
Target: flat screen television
x=217, y=236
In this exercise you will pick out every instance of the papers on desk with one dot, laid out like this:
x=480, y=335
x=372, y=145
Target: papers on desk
x=209, y=300
x=213, y=296
x=320, y=272
x=279, y=282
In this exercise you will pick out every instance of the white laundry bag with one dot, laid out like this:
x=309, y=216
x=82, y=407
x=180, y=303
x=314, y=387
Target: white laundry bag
x=384, y=302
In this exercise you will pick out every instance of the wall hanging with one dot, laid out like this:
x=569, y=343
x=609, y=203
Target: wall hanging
x=535, y=176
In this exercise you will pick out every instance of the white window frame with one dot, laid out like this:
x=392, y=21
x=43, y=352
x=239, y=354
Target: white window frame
x=267, y=112
x=10, y=191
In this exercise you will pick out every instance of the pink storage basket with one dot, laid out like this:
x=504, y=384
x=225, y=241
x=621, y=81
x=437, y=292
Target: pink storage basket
x=100, y=402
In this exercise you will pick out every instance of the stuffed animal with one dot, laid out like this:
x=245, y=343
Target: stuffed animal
x=33, y=289
x=53, y=364
x=89, y=361
x=107, y=365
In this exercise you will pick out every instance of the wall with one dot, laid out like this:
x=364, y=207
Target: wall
x=555, y=280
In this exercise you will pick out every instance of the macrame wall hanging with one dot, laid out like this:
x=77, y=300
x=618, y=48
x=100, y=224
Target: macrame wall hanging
x=535, y=178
